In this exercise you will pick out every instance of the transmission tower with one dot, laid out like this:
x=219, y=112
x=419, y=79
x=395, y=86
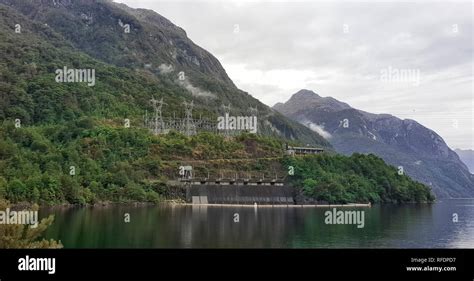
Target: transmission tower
x=227, y=112
x=190, y=128
x=158, y=124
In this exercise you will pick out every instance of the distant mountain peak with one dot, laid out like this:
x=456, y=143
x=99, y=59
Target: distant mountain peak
x=304, y=93
x=307, y=99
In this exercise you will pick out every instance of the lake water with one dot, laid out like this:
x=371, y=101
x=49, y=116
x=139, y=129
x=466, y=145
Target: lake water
x=166, y=226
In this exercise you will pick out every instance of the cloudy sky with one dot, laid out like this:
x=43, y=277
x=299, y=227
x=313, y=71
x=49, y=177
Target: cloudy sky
x=353, y=51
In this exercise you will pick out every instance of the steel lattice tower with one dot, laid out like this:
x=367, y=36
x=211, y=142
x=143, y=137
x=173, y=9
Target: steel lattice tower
x=159, y=125
x=190, y=128
x=226, y=111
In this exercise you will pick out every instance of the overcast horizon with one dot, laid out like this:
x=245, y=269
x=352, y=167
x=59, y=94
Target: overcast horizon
x=351, y=51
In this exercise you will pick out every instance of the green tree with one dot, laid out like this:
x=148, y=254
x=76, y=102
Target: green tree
x=16, y=190
x=3, y=187
x=17, y=236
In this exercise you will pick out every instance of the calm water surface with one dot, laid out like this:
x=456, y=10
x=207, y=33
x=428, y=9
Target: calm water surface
x=165, y=226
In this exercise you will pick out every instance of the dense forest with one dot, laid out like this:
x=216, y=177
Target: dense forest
x=83, y=162
x=358, y=178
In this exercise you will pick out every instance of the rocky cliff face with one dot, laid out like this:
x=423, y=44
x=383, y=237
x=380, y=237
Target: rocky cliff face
x=421, y=152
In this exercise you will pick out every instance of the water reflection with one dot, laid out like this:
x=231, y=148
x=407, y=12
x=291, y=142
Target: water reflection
x=166, y=226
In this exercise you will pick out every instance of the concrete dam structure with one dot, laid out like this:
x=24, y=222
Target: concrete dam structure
x=240, y=194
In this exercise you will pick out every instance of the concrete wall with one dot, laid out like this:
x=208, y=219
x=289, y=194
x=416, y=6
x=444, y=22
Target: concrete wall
x=239, y=194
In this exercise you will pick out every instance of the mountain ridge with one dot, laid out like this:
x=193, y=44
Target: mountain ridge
x=96, y=30
x=401, y=142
